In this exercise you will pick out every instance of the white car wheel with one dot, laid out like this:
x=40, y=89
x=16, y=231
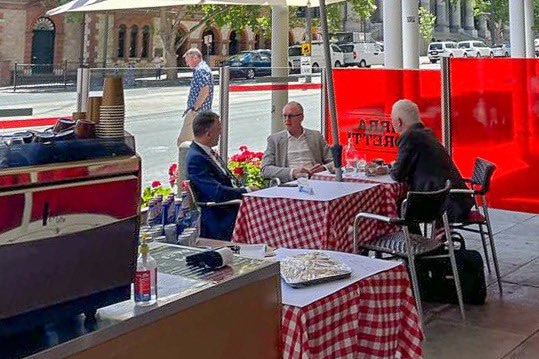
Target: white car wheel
x=363, y=63
x=465, y=55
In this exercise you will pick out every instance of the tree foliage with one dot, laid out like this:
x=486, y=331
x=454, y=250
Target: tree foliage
x=427, y=21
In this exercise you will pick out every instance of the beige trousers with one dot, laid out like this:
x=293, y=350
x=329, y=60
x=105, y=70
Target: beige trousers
x=186, y=134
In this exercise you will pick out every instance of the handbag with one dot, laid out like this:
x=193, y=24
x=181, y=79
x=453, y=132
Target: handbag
x=435, y=277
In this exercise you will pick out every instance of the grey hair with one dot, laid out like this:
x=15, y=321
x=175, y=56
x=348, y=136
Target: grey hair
x=203, y=122
x=297, y=104
x=407, y=111
x=193, y=52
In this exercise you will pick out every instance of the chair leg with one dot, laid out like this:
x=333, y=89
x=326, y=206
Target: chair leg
x=485, y=250
x=493, y=248
x=413, y=277
x=454, y=266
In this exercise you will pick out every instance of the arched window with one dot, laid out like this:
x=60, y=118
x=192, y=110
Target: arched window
x=133, y=42
x=121, y=40
x=145, y=41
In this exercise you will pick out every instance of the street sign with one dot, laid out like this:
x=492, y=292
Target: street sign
x=306, y=49
x=305, y=65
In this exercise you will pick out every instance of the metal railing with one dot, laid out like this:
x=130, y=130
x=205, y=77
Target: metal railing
x=44, y=75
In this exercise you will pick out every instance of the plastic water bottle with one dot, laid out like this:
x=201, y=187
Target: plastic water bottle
x=145, y=286
x=350, y=155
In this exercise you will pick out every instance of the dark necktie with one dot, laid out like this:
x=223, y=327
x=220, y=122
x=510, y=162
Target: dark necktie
x=236, y=182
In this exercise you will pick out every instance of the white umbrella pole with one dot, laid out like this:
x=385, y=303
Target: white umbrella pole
x=337, y=148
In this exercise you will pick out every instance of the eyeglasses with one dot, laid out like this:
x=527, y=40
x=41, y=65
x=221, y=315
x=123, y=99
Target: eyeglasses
x=291, y=115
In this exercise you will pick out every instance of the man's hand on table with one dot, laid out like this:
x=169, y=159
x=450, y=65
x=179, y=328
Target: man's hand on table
x=316, y=168
x=300, y=172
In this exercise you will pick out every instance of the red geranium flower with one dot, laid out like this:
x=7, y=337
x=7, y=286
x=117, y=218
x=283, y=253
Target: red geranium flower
x=243, y=148
x=156, y=184
x=172, y=169
x=238, y=171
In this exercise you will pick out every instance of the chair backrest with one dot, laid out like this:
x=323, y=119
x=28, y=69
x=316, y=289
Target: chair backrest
x=194, y=200
x=425, y=207
x=482, y=173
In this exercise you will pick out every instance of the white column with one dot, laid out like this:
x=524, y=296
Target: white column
x=392, y=11
x=410, y=34
x=279, y=63
x=516, y=19
x=455, y=17
x=483, y=30
x=469, y=25
x=528, y=30
x=442, y=25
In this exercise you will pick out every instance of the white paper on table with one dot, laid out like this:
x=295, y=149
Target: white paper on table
x=323, y=191
x=362, y=267
x=257, y=251
x=361, y=175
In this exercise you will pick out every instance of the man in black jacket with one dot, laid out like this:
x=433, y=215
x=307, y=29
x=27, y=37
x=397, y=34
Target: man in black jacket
x=422, y=162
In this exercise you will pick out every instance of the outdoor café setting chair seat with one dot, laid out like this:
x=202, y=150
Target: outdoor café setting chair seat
x=417, y=208
x=479, y=216
x=395, y=244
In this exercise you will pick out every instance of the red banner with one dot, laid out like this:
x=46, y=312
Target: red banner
x=364, y=98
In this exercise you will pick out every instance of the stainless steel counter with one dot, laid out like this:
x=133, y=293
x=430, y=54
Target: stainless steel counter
x=179, y=287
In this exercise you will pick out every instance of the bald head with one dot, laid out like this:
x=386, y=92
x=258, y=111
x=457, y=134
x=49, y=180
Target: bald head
x=404, y=114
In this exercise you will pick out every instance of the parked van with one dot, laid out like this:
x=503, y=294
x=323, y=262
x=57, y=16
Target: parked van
x=317, y=55
x=294, y=58
x=444, y=49
x=476, y=49
x=362, y=54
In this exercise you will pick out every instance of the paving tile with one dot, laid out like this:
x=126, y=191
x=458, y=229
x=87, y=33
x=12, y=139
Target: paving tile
x=527, y=350
x=527, y=274
x=450, y=340
x=509, y=216
x=516, y=312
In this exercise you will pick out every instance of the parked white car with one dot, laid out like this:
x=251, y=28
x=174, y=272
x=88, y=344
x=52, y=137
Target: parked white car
x=362, y=54
x=317, y=55
x=503, y=50
x=476, y=49
x=444, y=49
x=294, y=58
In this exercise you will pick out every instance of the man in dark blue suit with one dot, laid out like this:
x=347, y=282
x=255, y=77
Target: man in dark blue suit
x=211, y=179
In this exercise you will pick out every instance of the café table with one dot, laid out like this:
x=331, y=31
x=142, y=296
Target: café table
x=392, y=195
x=371, y=315
x=285, y=217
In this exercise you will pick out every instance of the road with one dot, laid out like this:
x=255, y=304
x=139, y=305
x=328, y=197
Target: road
x=153, y=116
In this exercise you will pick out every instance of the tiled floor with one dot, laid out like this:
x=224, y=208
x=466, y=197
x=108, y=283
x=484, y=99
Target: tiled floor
x=505, y=327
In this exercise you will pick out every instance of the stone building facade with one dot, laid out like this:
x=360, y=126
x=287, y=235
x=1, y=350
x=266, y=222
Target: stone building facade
x=454, y=20
x=28, y=36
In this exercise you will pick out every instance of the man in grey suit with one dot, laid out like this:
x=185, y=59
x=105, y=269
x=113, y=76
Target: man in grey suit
x=296, y=151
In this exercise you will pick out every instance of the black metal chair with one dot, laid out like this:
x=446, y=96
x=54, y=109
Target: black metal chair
x=200, y=204
x=417, y=208
x=479, y=216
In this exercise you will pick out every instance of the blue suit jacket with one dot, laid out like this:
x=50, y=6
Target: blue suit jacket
x=212, y=185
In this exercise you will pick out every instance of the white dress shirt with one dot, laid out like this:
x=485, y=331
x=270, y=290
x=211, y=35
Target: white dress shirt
x=299, y=154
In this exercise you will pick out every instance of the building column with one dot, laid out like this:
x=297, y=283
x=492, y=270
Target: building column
x=482, y=30
x=455, y=17
x=410, y=34
x=528, y=29
x=279, y=62
x=469, y=25
x=377, y=15
x=516, y=19
x=442, y=24
x=425, y=4
x=392, y=12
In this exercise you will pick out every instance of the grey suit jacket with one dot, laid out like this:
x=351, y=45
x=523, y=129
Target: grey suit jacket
x=275, y=160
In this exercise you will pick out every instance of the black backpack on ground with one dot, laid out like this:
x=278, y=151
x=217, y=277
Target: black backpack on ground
x=435, y=277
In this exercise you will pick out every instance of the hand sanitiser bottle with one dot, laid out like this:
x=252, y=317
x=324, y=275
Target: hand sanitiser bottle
x=145, y=288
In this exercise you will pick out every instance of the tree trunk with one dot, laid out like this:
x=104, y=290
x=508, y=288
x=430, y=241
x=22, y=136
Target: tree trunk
x=168, y=37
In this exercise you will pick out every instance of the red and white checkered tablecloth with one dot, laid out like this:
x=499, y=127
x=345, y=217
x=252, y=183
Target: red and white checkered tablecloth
x=373, y=318
x=391, y=196
x=294, y=223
